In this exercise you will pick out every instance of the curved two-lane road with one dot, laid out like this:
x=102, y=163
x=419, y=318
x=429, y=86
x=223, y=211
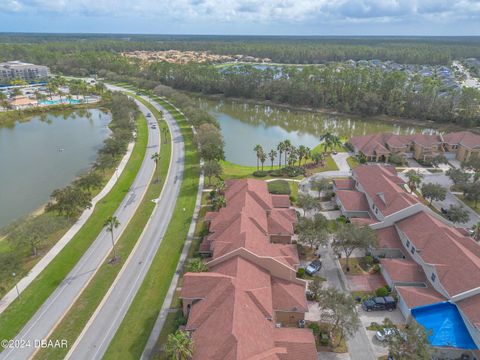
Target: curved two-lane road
x=95, y=338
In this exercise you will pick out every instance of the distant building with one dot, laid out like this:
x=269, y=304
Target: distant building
x=17, y=70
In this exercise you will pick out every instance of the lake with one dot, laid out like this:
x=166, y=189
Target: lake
x=245, y=124
x=46, y=153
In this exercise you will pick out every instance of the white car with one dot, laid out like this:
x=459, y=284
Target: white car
x=383, y=334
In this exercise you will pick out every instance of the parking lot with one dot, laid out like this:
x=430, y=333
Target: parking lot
x=378, y=316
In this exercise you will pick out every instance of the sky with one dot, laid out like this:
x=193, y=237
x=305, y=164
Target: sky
x=243, y=17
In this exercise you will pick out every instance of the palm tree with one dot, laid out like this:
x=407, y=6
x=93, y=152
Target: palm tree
x=308, y=154
x=301, y=152
x=272, y=155
x=280, y=149
x=414, y=179
x=111, y=224
x=330, y=141
x=288, y=148
x=258, y=148
x=156, y=157
x=179, y=346
x=262, y=156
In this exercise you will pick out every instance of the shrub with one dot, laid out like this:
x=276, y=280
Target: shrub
x=375, y=268
x=368, y=260
x=279, y=187
x=276, y=173
x=260, y=173
x=301, y=273
x=349, y=146
x=324, y=339
x=381, y=291
x=315, y=328
x=293, y=171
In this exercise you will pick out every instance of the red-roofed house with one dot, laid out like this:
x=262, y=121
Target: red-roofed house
x=240, y=307
x=463, y=144
x=424, y=258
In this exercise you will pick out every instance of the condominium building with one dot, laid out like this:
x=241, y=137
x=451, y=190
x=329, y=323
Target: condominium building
x=249, y=303
x=13, y=70
x=431, y=265
x=423, y=147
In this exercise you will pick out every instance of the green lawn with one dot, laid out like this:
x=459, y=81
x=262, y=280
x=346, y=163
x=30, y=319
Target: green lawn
x=469, y=203
x=14, y=318
x=352, y=162
x=131, y=337
x=77, y=317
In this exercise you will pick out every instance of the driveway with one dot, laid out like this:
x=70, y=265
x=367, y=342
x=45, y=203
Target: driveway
x=451, y=199
x=341, y=160
x=367, y=318
x=359, y=346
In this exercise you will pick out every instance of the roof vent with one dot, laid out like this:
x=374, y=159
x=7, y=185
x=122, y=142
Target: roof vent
x=278, y=325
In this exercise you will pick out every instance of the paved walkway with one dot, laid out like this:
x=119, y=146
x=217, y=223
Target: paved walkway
x=50, y=255
x=369, y=282
x=341, y=161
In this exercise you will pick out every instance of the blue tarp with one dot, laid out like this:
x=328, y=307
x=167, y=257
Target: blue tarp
x=446, y=325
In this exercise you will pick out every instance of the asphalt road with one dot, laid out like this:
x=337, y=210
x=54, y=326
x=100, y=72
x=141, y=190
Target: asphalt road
x=59, y=302
x=95, y=338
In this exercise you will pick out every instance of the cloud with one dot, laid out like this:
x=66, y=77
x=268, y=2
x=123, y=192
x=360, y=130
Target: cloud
x=263, y=11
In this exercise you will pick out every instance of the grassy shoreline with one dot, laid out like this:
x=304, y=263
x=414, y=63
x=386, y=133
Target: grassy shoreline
x=133, y=333
x=75, y=320
x=22, y=309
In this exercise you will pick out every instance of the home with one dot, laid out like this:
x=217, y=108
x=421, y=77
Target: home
x=249, y=303
x=422, y=147
x=432, y=266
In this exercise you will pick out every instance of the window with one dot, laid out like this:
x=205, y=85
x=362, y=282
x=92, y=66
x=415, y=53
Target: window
x=408, y=244
x=413, y=250
x=433, y=277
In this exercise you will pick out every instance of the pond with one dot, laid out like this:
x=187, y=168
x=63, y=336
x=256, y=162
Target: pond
x=46, y=153
x=245, y=125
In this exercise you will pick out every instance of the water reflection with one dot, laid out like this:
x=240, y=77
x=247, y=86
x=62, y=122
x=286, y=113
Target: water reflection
x=244, y=125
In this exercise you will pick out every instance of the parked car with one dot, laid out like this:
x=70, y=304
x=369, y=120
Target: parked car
x=149, y=115
x=313, y=267
x=380, y=303
x=301, y=324
x=385, y=333
x=154, y=126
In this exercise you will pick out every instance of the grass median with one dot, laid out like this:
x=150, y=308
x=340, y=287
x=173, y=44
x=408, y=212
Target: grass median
x=132, y=335
x=75, y=320
x=14, y=318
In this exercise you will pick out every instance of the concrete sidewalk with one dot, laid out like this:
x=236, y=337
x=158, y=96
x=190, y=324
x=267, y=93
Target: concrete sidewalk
x=50, y=255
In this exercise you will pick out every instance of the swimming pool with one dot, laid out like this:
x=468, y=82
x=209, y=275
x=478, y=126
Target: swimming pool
x=446, y=324
x=56, y=102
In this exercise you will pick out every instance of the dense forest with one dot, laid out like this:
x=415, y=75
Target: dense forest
x=364, y=91
x=294, y=50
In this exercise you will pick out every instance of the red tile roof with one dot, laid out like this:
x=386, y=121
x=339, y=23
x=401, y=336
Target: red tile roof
x=456, y=257
x=388, y=238
x=419, y=296
x=465, y=138
x=353, y=200
x=384, y=187
x=344, y=184
x=471, y=308
x=403, y=270
x=373, y=144
x=233, y=316
x=280, y=201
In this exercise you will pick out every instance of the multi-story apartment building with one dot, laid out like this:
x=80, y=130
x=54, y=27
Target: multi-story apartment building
x=249, y=303
x=379, y=147
x=433, y=266
x=12, y=70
